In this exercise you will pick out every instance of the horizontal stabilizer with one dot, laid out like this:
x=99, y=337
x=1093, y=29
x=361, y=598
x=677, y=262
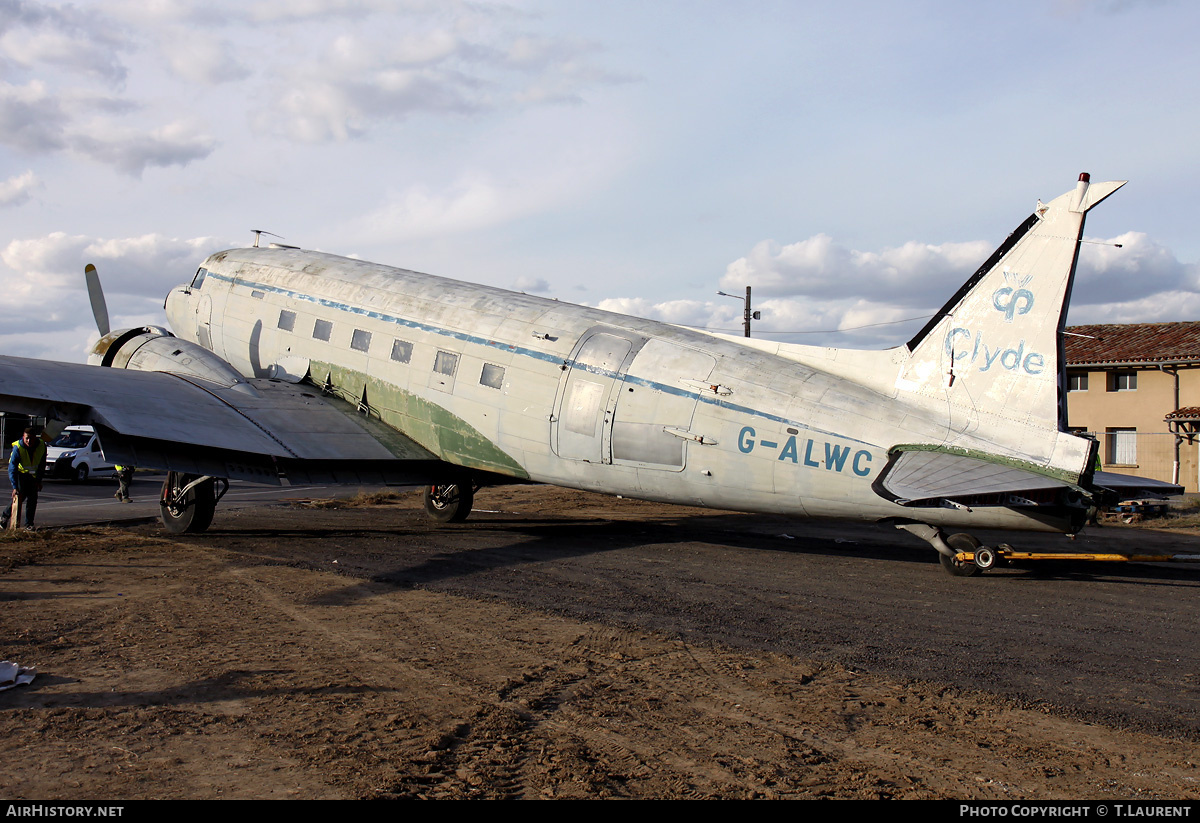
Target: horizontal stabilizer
x=1130, y=487
x=924, y=477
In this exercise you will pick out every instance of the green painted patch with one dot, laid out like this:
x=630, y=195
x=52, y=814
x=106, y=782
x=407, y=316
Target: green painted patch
x=444, y=434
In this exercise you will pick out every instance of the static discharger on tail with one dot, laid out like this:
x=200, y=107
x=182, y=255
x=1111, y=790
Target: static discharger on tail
x=287, y=365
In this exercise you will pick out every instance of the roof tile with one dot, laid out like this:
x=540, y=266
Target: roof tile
x=1133, y=343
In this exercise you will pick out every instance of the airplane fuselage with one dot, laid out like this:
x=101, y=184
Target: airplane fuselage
x=552, y=392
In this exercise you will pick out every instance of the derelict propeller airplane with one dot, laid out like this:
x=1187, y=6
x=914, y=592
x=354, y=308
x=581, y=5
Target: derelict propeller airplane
x=294, y=366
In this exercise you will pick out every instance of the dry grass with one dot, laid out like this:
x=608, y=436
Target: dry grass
x=359, y=501
x=1184, y=513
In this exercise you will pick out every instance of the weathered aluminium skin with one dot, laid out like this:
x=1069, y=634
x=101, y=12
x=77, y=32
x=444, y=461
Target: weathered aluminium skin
x=451, y=383
x=538, y=389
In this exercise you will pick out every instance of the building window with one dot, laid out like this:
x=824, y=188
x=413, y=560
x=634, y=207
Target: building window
x=360, y=340
x=322, y=329
x=401, y=351
x=446, y=363
x=287, y=320
x=1121, y=447
x=1122, y=381
x=1077, y=381
x=492, y=376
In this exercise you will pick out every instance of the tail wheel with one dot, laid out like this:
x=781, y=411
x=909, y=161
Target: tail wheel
x=985, y=558
x=449, y=502
x=186, y=512
x=954, y=566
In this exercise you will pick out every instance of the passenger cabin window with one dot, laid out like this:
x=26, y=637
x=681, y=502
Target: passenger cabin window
x=445, y=363
x=360, y=340
x=258, y=295
x=1077, y=381
x=322, y=329
x=198, y=280
x=287, y=320
x=492, y=376
x=401, y=351
x=1122, y=381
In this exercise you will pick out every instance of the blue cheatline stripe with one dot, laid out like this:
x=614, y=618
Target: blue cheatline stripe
x=528, y=352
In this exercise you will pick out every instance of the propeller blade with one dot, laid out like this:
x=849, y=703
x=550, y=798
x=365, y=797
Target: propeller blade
x=96, y=295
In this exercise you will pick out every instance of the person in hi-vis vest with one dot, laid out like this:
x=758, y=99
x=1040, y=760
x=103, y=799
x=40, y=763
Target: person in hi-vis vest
x=25, y=466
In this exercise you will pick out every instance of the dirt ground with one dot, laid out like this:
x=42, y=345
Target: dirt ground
x=566, y=645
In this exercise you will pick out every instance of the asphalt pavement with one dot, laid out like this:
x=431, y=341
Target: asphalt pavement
x=93, y=502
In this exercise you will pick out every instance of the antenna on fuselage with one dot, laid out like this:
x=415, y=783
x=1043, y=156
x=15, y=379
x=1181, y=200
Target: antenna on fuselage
x=258, y=233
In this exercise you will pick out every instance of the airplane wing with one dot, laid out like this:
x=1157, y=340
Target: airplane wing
x=264, y=431
x=1128, y=486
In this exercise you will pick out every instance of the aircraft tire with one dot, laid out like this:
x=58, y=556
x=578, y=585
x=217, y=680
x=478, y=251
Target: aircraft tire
x=960, y=543
x=195, y=513
x=449, y=502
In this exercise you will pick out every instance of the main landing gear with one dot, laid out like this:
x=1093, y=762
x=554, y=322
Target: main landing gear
x=450, y=502
x=188, y=501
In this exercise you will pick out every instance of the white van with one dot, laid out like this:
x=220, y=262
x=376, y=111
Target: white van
x=75, y=454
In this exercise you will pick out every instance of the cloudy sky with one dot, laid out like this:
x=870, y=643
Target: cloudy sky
x=851, y=161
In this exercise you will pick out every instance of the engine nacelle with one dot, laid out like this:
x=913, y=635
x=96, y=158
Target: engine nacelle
x=151, y=348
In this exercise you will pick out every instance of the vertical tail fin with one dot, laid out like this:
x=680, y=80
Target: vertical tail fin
x=994, y=351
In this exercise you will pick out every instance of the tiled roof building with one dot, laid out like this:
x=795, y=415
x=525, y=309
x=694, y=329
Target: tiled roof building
x=1134, y=343
x=1132, y=385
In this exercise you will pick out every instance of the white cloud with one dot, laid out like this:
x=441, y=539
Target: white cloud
x=358, y=81
x=129, y=265
x=34, y=121
x=1161, y=307
x=819, y=267
x=72, y=50
x=531, y=284
x=284, y=11
x=204, y=60
x=48, y=341
x=421, y=212
x=681, y=312
x=30, y=119
x=817, y=292
x=131, y=152
x=424, y=59
x=46, y=312
x=1141, y=266
x=16, y=190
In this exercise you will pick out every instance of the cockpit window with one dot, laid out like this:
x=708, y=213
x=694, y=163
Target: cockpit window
x=198, y=280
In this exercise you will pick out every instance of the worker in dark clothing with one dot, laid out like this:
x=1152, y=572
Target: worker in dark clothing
x=25, y=466
x=124, y=478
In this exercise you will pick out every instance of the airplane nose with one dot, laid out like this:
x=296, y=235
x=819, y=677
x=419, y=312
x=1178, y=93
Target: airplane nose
x=177, y=306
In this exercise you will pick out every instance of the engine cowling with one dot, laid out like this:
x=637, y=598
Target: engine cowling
x=151, y=348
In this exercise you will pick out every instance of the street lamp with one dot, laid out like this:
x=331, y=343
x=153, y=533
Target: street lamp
x=747, y=315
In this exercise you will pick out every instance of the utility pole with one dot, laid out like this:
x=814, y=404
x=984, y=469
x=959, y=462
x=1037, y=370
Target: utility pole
x=747, y=314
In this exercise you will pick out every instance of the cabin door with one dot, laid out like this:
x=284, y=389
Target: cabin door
x=651, y=424
x=582, y=424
